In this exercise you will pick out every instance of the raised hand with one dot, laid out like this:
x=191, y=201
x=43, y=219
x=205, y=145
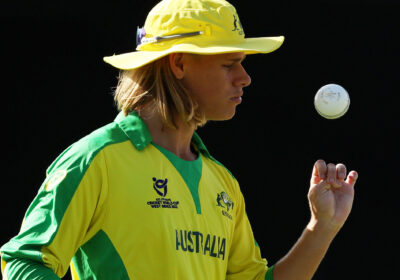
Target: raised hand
x=331, y=194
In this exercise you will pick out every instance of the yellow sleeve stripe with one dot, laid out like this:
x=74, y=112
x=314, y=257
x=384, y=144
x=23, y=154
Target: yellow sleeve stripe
x=3, y=268
x=73, y=271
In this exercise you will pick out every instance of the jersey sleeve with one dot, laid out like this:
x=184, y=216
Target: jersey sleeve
x=19, y=268
x=66, y=212
x=245, y=260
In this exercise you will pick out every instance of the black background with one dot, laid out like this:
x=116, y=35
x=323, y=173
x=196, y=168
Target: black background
x=56, y=89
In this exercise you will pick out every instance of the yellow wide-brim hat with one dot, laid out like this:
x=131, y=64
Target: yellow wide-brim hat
x=191, y=26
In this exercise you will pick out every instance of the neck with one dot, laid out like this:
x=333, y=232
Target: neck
x=174, y=140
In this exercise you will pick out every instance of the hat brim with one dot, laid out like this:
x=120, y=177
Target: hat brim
x=133, y=60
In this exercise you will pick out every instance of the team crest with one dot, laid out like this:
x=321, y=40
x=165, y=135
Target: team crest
x=224, y=201
x=237, y=26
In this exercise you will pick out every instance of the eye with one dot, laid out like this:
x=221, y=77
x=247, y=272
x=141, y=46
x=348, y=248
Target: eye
x=229, y=66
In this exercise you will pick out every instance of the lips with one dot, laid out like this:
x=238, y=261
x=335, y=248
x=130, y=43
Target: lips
x=237, y=98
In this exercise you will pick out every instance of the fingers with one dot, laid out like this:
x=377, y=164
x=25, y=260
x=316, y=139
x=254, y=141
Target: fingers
x=334, y=175
x=331, y=173
x=339, y=176
x=341, y=171
x=319, y=171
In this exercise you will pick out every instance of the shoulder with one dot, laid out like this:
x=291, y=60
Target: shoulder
x=82, y=152
x=221, y=173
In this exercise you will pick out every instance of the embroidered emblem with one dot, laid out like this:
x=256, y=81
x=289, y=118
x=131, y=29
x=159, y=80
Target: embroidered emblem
x=160, y=185
x=237, y=25
x=224, y=201
x=161, y=188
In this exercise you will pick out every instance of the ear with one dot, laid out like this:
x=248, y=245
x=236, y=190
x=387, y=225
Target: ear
x=176, y=63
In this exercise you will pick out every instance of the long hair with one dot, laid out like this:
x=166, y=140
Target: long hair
x=155, y=85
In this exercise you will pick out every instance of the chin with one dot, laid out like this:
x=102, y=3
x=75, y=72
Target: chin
x=224, y=117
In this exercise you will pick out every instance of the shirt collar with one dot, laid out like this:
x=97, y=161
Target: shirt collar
x=136, y=130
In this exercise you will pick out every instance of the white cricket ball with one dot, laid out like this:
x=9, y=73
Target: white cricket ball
x=332, y=101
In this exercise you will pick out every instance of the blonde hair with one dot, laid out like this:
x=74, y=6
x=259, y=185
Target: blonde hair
x=155, y=85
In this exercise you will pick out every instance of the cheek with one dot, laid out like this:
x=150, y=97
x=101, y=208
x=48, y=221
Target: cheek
x=214, y=82
x=201, y=86
x=208, y=85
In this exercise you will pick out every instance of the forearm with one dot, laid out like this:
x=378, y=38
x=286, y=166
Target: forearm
x=301, y=262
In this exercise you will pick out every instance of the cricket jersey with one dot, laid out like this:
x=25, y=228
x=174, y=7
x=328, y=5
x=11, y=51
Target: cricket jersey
x=114, y=205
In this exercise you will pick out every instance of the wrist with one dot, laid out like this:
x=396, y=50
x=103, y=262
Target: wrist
x=323, y=228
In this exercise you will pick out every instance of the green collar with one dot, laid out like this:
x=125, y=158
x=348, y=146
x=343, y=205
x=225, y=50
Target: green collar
x=136, y=130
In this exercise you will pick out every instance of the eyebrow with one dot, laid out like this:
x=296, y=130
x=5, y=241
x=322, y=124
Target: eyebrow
x=237, y=59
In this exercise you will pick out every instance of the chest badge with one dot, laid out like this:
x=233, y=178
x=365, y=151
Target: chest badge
x=161, y=188
x=224, y=201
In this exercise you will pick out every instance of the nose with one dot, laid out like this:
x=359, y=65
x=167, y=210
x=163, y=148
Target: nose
x=243, y=79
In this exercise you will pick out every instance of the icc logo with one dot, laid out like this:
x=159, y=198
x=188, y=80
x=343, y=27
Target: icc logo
x=160, y=186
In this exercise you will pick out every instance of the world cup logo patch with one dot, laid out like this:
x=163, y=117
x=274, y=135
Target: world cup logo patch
x=160, y=186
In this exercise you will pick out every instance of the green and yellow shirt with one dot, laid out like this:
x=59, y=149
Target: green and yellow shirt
x=116, y=206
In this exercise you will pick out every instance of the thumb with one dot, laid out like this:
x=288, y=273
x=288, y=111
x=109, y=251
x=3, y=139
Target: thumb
x=352, y=178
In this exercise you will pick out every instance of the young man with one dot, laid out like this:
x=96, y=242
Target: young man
x=142, y=198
